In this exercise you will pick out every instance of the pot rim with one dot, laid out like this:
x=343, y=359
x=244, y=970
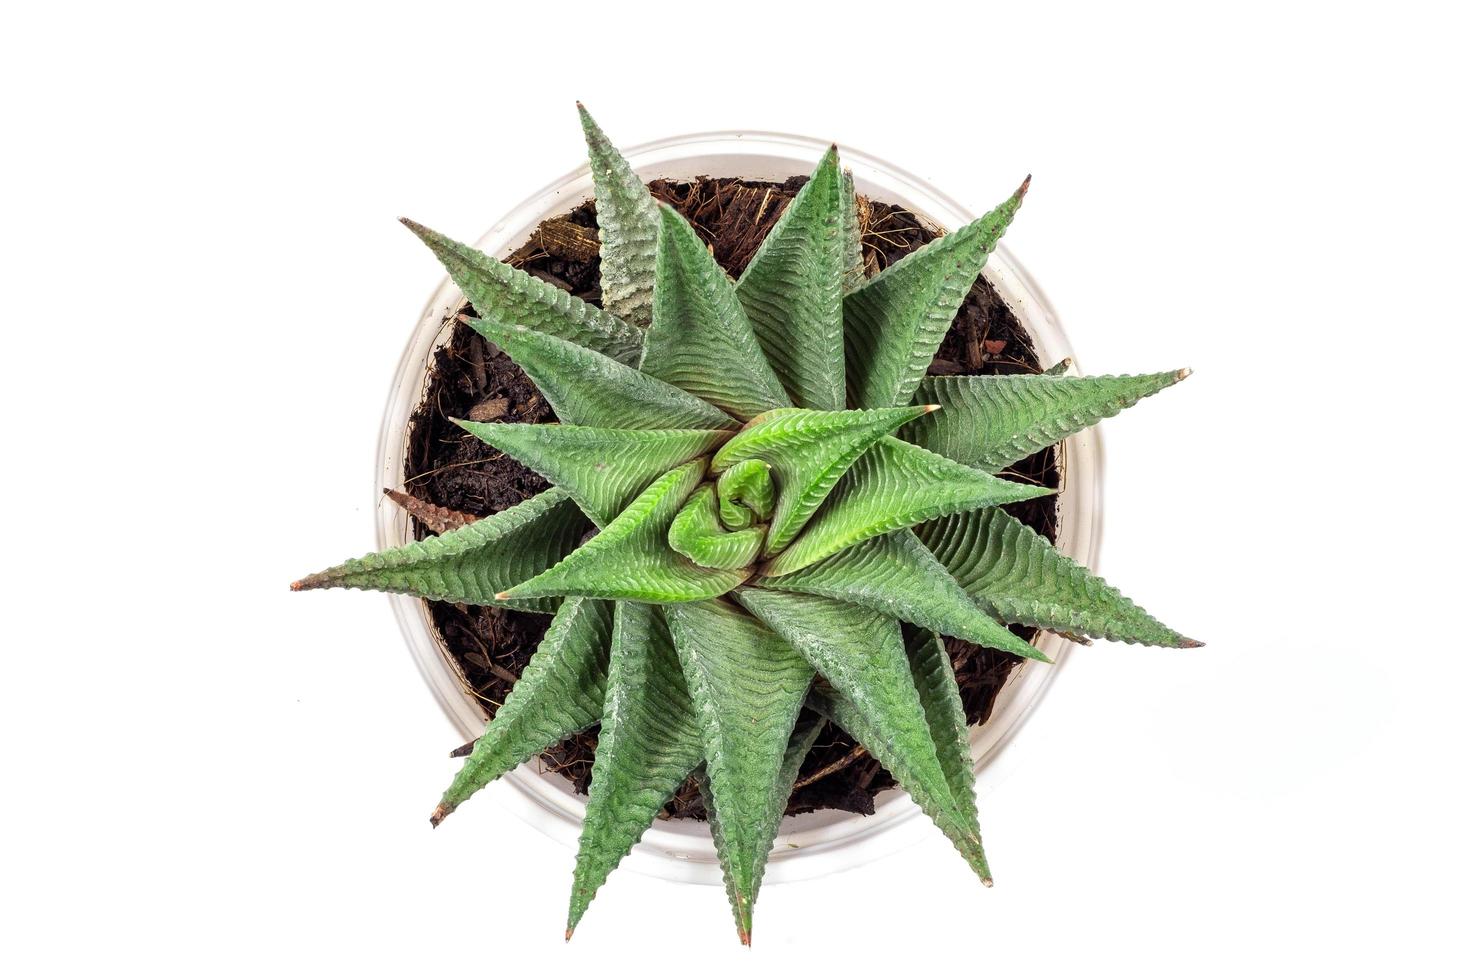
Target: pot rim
x=811, y=844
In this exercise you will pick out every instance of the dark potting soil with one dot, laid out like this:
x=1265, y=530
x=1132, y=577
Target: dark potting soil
x=451, y=469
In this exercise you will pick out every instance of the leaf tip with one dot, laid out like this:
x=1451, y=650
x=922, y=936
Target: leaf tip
x=930, y=409
x=572, y=929
x=1185, y=643
x=1183, y=373
x=988, y=881
x=316, y=580
x=440, y=812
x=502, y=596
x=741, y=906
x=1025, y=186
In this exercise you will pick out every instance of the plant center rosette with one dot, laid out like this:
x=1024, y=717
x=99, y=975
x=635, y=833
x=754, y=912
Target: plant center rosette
x=754, y=483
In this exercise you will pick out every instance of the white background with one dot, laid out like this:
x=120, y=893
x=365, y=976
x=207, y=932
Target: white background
x=205, y=294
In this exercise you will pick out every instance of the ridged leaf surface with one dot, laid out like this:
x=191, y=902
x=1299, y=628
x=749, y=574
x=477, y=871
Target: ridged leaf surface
x=792, y=291
x=603, y=469
x=854, y=272
x=860, y=653
x=648, y=746
x=808, y=452
x=501, y=292
x=896, y=320
x=701, y=339
x=993, y=421
x=473, y=563
x=627, y=224
x=797, y=748
x=586, y=388
x=747, y=685
x=945, y=712
x=631, y=557
x=1019, y=575
x=896, y=575
x=893, y=485
x=559, y=694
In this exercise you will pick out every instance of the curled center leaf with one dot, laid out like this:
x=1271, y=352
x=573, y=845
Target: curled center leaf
x=698, y=535
x=746, y=493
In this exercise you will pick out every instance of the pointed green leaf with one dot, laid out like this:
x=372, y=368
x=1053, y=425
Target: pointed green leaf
x=559, y=694
x=922, y=778
x=627, y=223
x=501, y=292
x=586, y=388
x=631, y=557
x=648, y=745
x=945, y=712
x=792, y=291
x=701, y=340
x=995, y=420
x=797, y=748
x=894, y=485
x=746, y=494
x=698, y=535
x=603, y=469
x=896, y=321
x=747, y=685
x=808, y=452
x=896, y=575
x=1018, y=575
x=860, y=653
x=473, y=563
x=854, y=269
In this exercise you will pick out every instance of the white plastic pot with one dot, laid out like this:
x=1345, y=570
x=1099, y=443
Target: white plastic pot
x=812, y=844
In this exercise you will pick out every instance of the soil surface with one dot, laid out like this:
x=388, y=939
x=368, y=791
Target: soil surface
x=451, y=469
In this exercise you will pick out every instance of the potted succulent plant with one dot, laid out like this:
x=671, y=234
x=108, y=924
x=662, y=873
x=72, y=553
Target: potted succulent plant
x=754, y=509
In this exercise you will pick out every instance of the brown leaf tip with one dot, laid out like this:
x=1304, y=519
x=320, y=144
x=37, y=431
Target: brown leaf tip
x=570, y=928
x=988, y=882
x=502, y=596
x=1025, y=185
x=316, y=581
x=1183, y=373
x=1187, y=644
x=931, y=409
x=437, y=817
